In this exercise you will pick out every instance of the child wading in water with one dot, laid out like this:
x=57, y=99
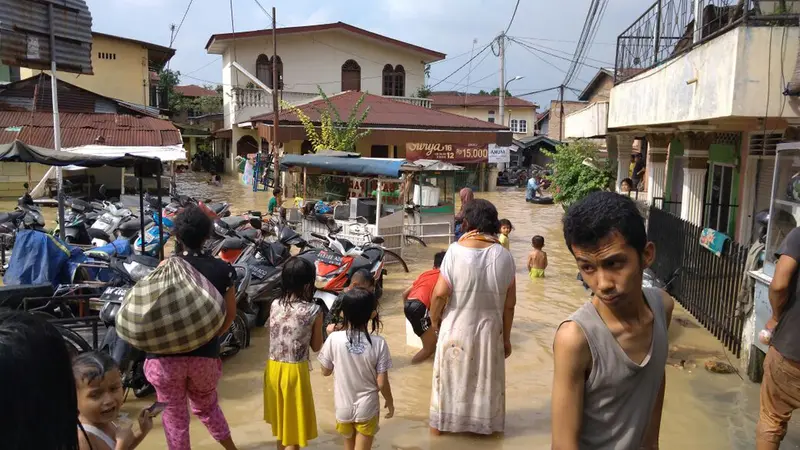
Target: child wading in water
x=537, y=259
x=505, y=230
x=99, y=385
x=362, y=362
x=295, y=323
x=362, y=279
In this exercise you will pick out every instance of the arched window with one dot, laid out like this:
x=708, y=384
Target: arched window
x=264, y=70
x=277, y=61
x=351, y=76
x=399, y=81
x=388, y=79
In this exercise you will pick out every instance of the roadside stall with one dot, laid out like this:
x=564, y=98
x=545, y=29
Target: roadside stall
x=367, y=204
x=784, y=216
x=432, y=200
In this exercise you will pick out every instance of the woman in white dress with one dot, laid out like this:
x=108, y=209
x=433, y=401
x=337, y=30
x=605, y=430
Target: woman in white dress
x=472, y=308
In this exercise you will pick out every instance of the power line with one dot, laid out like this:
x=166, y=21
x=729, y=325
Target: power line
x=469, y=72
x=529, y=38
x=200, y=68
x=539, y=46
x=462, y=66
x=512, y=17
x=553, y=55
x=263, y=9
x=178, y=30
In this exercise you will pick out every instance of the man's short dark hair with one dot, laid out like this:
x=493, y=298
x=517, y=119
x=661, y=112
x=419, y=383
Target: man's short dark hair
x=437, y=259
x=192, y=227
x=481, y=215
x=276, y=192
x=600, y=214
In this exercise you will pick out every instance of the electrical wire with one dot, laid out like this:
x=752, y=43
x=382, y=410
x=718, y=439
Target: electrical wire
x=513, y=15
x=201, y=67
x=540, y=46
x=178, y=30
x=462, y=66
x=553, y=55
x=530, y=38
x=469, y=72
x=263, y=9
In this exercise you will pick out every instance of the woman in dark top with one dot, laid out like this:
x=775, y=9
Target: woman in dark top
x=40, y=406
x=194, y=375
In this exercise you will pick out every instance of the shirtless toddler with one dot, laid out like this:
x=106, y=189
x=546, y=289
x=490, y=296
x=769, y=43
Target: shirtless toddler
x=537, y=259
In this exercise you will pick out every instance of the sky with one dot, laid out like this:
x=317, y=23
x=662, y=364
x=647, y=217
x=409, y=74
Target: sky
x=447, y=26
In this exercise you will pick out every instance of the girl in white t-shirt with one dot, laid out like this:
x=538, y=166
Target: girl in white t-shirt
x=362, y=362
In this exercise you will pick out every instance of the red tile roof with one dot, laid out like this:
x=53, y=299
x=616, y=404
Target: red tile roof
x=445, y=100
x=386, y=113
x=324, y=27
x=83, y=129
x=194, y=90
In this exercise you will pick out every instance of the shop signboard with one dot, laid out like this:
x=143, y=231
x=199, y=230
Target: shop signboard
x=451, y=153
x=498, y=154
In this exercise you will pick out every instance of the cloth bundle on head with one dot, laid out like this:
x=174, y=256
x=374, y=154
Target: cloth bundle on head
x=175, y=309
x=467, y=196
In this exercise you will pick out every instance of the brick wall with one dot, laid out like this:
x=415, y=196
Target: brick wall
x=603, y=90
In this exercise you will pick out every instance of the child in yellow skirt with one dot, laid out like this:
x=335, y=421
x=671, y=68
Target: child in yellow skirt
x=537, y=259
x=295, y=323
x=362, y=362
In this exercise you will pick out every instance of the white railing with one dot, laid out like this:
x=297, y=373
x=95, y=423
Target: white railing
x=416, y=101
x=588, y=122
x=258, y=98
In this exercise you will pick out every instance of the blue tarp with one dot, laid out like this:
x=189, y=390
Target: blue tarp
x=37, y=258
x=386, y=167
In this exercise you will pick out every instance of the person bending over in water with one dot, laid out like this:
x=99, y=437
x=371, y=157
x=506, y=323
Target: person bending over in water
x=537, y=258
x=608, y=383
x=99, y=385
x=416, y=306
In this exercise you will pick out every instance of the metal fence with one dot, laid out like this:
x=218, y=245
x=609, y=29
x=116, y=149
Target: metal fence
x=669, y=206
x=705, y=284
x=668, y=28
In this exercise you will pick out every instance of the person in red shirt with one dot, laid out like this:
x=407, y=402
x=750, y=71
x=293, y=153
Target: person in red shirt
x=417, y=302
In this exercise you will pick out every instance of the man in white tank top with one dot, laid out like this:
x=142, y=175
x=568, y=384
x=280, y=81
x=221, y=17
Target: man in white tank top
x=608, y=384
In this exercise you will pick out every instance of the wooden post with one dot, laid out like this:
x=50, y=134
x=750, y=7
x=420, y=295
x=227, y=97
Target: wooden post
x=276, y=84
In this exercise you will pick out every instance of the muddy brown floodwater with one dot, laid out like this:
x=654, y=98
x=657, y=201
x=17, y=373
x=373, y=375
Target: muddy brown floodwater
x=701, y=411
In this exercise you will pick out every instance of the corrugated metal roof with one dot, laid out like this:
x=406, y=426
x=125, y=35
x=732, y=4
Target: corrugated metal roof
x=194, y=90
x=25, y=34
x=84, y=129
x=386, y=113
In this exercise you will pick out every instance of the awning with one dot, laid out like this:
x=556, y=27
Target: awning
x=433, y=165
x=20, y=152
x=387, y=167
x=166, y=153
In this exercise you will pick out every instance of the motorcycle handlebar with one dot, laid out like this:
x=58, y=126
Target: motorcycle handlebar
x=319, y=236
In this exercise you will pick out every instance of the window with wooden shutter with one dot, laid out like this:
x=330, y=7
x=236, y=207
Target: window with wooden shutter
x=351, y=76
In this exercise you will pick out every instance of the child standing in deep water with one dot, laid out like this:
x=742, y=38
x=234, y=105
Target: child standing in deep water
x=505, y=230
x=295, y=323
x=99, y=385
x=362, y=361
x=537, y=259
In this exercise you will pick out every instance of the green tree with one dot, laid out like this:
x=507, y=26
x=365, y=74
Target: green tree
x=577, y=171
x=167, y=80
x=334, y=133
x=424, y=91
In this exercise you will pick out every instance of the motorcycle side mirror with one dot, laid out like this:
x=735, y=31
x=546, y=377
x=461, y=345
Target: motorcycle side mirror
x=256, y=223
x=378, y=240
x=102, y=190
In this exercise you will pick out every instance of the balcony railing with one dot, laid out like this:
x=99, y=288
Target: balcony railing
x=416, y=101
x=668, y=28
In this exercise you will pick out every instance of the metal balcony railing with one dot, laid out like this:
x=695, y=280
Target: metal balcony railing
x=668, y=28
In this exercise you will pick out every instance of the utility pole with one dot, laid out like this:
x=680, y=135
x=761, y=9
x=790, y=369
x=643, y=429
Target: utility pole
x=502, y=40
x=62, y=226
x=561, y=113
x=276, y=84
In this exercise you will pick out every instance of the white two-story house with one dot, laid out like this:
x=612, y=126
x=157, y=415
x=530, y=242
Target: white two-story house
x=335, y=57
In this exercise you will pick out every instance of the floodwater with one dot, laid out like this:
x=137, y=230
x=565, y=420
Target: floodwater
x=701, y=411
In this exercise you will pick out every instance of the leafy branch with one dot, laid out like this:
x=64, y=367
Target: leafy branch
x=572, y=178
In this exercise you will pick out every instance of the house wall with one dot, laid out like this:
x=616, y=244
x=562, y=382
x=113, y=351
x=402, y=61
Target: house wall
x=724, y=77
x=482, y=113
x=125, y=78
x=554, y=128
x=588, y=122
x=316, y=59
x=603, y=91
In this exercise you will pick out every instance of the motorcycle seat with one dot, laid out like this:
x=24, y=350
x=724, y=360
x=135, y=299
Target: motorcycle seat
x=250, y=234
x=96, y=233
x=360, y=262
x=373, y=254
x=80, y=205
x=216, y=207
x=134, y=224
x=12, y=216
x=233, y=243
x=234, y=221
x=346, y=244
